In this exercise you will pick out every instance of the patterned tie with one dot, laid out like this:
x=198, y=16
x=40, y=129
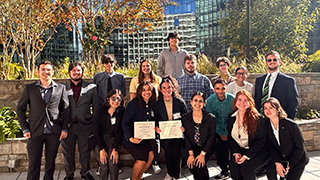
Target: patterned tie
x=265, y=93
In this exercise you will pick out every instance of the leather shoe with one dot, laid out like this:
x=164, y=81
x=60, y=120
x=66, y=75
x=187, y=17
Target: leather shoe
x=88, y=176
x=68, y=178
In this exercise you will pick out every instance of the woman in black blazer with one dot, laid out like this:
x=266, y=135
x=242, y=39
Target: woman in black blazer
x=170, y=107
x=200, y=128
x=288, y=153
x=247, y=138
x=140, y=108
x=108, y=133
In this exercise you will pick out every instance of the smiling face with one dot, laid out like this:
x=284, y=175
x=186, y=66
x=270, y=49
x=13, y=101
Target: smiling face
x=242, y=103
x=173, y=41
x=241, y=75
x=270, y=111
x=146, y=67
x=190, y=66
x=273, y=65
x=109, y=65
x=146, y=92
x=197, y=103
x=115, y=100
x=223, y=67
x=45, y=72
x=76, y=73
x=220, y=90
x=166, y=89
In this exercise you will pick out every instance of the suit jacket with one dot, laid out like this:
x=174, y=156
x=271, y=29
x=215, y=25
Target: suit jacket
x=82, y=109
x=257, y=143
x=57, y=107
x=207, y=131
x=179, y=108
x=291, y=146
x=284, y=89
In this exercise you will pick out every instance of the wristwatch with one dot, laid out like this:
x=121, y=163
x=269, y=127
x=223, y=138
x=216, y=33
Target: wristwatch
x=203, y=153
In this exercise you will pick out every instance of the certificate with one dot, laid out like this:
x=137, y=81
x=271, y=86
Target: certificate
x=170, y=129
x=144, y=129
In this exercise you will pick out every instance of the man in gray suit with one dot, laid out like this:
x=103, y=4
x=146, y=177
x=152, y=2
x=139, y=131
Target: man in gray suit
x=47, y=122
x=82, y=97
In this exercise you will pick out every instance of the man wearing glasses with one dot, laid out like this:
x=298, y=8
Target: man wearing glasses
x=278, y=85
x=223, y=64
x=109, y=79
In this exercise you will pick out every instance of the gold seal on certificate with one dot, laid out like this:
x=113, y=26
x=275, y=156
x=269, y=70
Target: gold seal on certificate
x=170, y=129
x=144, y=129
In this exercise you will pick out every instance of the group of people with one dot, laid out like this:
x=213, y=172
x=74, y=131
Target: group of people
x=247, y=126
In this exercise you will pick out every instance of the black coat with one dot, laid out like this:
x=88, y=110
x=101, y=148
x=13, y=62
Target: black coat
x=291, y=147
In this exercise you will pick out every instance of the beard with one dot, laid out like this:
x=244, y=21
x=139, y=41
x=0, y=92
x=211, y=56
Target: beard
x=190, y=71
x=274, y=68
x=76, y=79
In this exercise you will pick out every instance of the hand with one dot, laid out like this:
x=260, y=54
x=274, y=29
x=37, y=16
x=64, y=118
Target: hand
x=199, y=161
x=182, y=129
x=190, y=162
x=237, y=157
x=114, y=156
x=241, y=160
x=280, y=169
x=157, y=129
x=224, y=137
x=103, y=156
x=27, y=135
x=135, y=140
x=63, y=135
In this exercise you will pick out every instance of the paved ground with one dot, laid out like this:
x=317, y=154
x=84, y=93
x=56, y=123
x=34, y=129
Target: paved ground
x=312, y=172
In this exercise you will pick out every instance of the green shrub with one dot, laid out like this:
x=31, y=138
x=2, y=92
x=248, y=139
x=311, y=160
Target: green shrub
x=307, y=113
x=313, y=63
x=9, y=126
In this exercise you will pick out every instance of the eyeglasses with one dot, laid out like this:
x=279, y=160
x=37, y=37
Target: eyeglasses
x=220, y=65
x=274, y=59
x=241, y=74
x=111, y=62
x=116, y=98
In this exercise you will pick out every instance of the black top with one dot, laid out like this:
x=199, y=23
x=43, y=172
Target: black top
x=257, y=142
x=207, y=130
x=102, y=125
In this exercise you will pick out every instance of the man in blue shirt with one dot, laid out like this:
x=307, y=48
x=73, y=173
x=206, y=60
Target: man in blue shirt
x=193, y=81
x=220, y=104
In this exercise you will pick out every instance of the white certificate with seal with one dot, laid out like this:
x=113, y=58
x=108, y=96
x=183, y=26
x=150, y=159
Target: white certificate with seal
x=144, y=129
x=170, y=129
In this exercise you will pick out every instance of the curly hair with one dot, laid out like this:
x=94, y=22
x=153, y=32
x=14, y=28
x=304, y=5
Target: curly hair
x=251, y=116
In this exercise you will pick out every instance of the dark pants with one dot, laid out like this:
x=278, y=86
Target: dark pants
x=76, y=133
x=35, y=147
x=172, y=153
x=200, y=173
x=293, y=174
x=246, y=170
x=222, y=154
x=109, y=167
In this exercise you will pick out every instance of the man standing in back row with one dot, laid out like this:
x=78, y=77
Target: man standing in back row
x=171, y=60
x=278, y=85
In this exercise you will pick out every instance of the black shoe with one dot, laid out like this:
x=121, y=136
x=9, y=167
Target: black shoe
x=68, y=178
x=88, y=176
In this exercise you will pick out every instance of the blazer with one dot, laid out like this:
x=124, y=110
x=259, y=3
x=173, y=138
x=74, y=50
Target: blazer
x=179, y=108
x=102, y=123
x=82, y=109
x=207, y=130
x=284, y=89
x=257, y=143
x=57, y=107
x=291, y=146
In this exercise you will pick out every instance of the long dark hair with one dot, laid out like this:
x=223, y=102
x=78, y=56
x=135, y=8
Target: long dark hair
x=153, y=97
x=111, y=93
x=141, y=74
x=174, y=85
x=251, y=116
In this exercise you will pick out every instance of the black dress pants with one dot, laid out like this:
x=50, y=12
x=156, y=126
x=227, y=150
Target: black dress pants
x=200, y=173
x=35, y=148
x=293, y=174
x=172, y=154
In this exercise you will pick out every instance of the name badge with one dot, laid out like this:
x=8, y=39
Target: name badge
x=113, y=120
x=152, y=113
x=176, y=115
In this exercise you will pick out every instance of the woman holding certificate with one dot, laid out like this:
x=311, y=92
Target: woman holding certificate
x=247, y=138
x=288, y=153
x=200, y=127
x=108, y=132
x=169, y=107
x=139, y=109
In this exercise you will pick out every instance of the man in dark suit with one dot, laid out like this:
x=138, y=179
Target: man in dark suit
x=82, y=97
x=47, y=122
x=280, y=86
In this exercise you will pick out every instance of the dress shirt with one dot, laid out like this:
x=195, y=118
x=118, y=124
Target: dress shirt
x=189, y=84
x=221, y=110
x=233, y=87
x=101, y=80
x=275, y=132
x=271, y=82
x=170, y=63
x=240, y=134
x=76, y=90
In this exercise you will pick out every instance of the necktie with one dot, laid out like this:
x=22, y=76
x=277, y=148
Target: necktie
x=109, y=84
x=265, y=93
